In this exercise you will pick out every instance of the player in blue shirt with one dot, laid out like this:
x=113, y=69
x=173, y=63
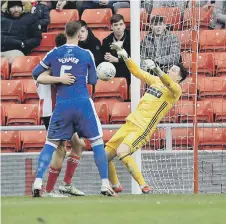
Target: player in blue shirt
x=74, y=110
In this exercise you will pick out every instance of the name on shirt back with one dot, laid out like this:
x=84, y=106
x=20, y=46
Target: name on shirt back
x=68, y=59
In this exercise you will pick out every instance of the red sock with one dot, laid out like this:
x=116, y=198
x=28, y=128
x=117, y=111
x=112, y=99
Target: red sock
x=72, y=163
x=52, y=178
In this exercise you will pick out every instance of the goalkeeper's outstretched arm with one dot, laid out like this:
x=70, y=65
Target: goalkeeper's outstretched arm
x=139, y=73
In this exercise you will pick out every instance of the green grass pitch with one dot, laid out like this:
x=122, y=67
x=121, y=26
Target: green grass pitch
x=138, y=209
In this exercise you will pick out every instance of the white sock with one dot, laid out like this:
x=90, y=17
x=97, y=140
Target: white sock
x=38, y=183
x=105, y=182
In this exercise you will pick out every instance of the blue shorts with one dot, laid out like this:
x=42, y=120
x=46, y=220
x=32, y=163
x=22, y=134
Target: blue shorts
x=75, y=116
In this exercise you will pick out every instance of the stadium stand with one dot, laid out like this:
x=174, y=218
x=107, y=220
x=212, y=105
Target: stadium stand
x=202, y=16
x=206, y=63
x=22, y=114
x=12, y=91
x=97, y=18
x=47, y=44
x=116, y=88
x=32, y=141
x=212, y=86
x=10, y=141
x=3, y=115
x=4, y=68
x=212, y=138
x=22, y=67
x=212, y=40
x=30, y=92
x=102, y=112
x=119, y=112
x=58, y=19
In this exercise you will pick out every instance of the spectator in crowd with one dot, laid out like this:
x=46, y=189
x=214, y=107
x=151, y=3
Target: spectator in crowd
x=219, y=15
x=96, y=4
x=62, y=4
x=87, y=40
x=41, y=10
x=149, y=4
x=122, y=36
x=20, y=32
x=27, y=6
x=160, y=45
x=120, y=4
x=204, y=4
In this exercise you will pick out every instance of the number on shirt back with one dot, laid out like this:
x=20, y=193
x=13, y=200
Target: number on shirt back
x=65, y=69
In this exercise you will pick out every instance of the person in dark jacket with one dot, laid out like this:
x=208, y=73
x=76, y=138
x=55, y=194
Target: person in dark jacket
x=19, y=31
x=87, y=40
x=42, y=12
x=122, y=36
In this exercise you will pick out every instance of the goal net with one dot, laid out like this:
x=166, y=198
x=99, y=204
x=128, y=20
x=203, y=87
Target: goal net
x=187, y=153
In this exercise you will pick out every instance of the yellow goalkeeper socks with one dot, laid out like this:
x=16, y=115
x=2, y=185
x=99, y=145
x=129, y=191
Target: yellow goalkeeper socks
x=112, y=174
x=132, y=167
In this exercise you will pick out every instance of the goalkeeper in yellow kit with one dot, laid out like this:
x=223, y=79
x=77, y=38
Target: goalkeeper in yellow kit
x=163, y=92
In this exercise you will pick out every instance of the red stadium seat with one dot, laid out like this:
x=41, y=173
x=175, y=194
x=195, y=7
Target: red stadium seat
x=58, y=19
x=201, y=15
x=182, y=138
x=30, y=92
x=107, y=134
x=22, y=114
x=117, y=88
x=101, y=34
x=219, y=108
x=109, y=101
x=102, y=112
x=11, y=91
x=3, y=115
x=206, y=63
x=10, y=141
x=186, y=113
x=4, y=68
x=185, y=38
x=172, y=16
x=47, y=43
x=125, y=12
x=33, y=141
x=119, y=112
x=212, y=40
x=212, y=138
x=188, y=88
x=22, y=67
x=90, y=89
x=212, y=86
x=220, y=61
x=97, y=18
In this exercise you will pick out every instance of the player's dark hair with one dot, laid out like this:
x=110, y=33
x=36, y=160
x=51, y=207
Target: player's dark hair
x=72, y=28
x=183, y=72
x=116, y=18
x=157, y=19
x=83, y=23
x=60, y=39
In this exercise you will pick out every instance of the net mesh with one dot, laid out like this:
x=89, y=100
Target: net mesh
x=168, y=159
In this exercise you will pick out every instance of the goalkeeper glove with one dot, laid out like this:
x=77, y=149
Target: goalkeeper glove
x=152, y=65
x=121, y=52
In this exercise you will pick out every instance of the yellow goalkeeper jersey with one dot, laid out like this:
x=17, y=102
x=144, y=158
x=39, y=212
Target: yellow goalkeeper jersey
x=159, y=98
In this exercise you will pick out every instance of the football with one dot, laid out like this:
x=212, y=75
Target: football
x=106, y=71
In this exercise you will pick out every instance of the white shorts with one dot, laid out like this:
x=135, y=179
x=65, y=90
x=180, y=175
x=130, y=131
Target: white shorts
x=47, y=99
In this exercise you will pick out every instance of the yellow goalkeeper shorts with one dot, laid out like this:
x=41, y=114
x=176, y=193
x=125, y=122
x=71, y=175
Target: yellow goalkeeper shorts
x=131, y=135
